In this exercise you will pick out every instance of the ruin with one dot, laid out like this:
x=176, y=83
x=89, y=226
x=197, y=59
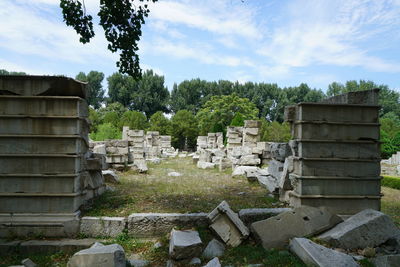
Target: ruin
x=46, y=170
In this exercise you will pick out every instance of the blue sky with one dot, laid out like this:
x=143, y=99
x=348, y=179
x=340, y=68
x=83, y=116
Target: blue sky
x=283, y=42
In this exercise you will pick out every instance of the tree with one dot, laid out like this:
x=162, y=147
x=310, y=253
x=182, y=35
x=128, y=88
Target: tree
x=218, y=112
x=151, y=95
x=158, y=122
x=275, y=131
x=134, y=119
x=6, y=72
x=122, y=22
x=96, y=91
x=184, y=130
x=120, y=89
x=187, y=95
x=106, y=131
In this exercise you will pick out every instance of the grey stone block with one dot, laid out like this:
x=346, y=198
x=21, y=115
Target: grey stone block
x=280, y=151
x=227, y=225
x=184, y=244
x=251, y=124
x=249, y=216
x=387, y=261
x=368, y=228
x=242, y=170
x=275, y=168
x=99, y=255
x=54, y=246
x=284, y=181
x=249, y=160
x=102, y=226
x=157, y=224
x=275, y=232
x=205, y=165
x=138, y=263
x=110, y=176
x=213, y=249
x=313, y=254
x=213, y=263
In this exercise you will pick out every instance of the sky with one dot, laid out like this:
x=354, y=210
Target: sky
x=287, y=42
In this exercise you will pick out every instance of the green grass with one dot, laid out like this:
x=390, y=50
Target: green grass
x=42, y=260
x=391, y=181
x=197, y=190
x=390, y=203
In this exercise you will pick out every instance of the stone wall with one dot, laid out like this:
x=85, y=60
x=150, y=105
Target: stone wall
x=46, y=170
x=336, y=153
x=391, y=166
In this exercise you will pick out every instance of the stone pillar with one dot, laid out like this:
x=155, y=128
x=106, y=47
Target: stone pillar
x=43, y=147
x=336, y=153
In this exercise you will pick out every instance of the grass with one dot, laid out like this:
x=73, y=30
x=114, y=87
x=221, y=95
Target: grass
x=390, y=203
x=391, y=181
x=197, y=190
x=42, y=260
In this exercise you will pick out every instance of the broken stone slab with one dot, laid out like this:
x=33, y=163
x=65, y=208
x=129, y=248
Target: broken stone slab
x=284, y=181
x=304, y=221
x=102, y=226
x=184, y=244
x=252, y=174
x=275, y=168
x=279, y=151
x=158, y=224
x=213, y=263
x=387, y=261
x=313, y=254
x=141, y=165
x=248, y=216
x=242, y=170
x=99, y=255
x=138, y=263
x=227, y=225
x=100, y=149
x=270, y=182
x=368, y=228
x=224, y=163
x=28, y=263
x=195, y=261
x=110, y=176
x=205, y=165
x=175, y=174
x=51, y=246
x=213, y=249
x=251, y=124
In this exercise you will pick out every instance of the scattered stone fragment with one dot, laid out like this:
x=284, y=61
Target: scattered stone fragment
x=313, y=254
x=195, y=261
x=138, y=263
x=387, y=261
x=227, y=225
x=157, y=245
x=141, y=165
x=176, y=174
x=248, y=216
x=110, y=176
x=213, y=263
x=28, y=263
x=276, y=231
x=99, y=255
x=184, y=244
x=280, y=151
x=205, y=165
x=368, y=228
x=284, y=181
x=213, y=249
x=155, y=160
x=242, y=170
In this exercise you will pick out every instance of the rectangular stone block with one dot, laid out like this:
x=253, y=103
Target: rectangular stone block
x=251, y=131
x=336, y=167
x=337, y=113
x=251, y=138
x=340, y=186
x=336, y=131
x=135, y=133
x=41, y=125
x=336, y=149
x=43, y=106
x=102, y=226
x=33, y=144
x=252, y=124
x=40, y=164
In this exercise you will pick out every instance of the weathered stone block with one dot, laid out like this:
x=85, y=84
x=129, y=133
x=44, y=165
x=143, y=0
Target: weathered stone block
x=213, y=249
x=227, y=225
x=387, y=261
x=275, y=232
x=252, y=124
x=184, y=244
x=205, y=165
x=249, y=216
x=102, y=226
x=280, y=151
x=313, y=254
x=368, y=228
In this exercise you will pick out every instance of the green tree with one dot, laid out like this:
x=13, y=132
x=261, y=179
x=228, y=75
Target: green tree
x=187, y=95
x=158, y=122
x=6, y=72
x=134, y=119
x=121, y=21
x=116, y=109
x=121, y=88
x=94, y=118
x=184, y=130
x=238, y=120
x=151, y=95
x=275, y=131
x=96, y=91
x=106, y=131
x=218, y=112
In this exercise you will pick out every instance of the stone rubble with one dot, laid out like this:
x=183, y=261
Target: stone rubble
x=213, y=263
x=110, y=176
x=28, y=263
x=214, y=249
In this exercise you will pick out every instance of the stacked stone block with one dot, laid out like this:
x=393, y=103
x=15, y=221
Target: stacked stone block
x=152, y=145
x=336, y=151
x=201, y=142
x=45, y=175
x=235, y=137
x=251, y=133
